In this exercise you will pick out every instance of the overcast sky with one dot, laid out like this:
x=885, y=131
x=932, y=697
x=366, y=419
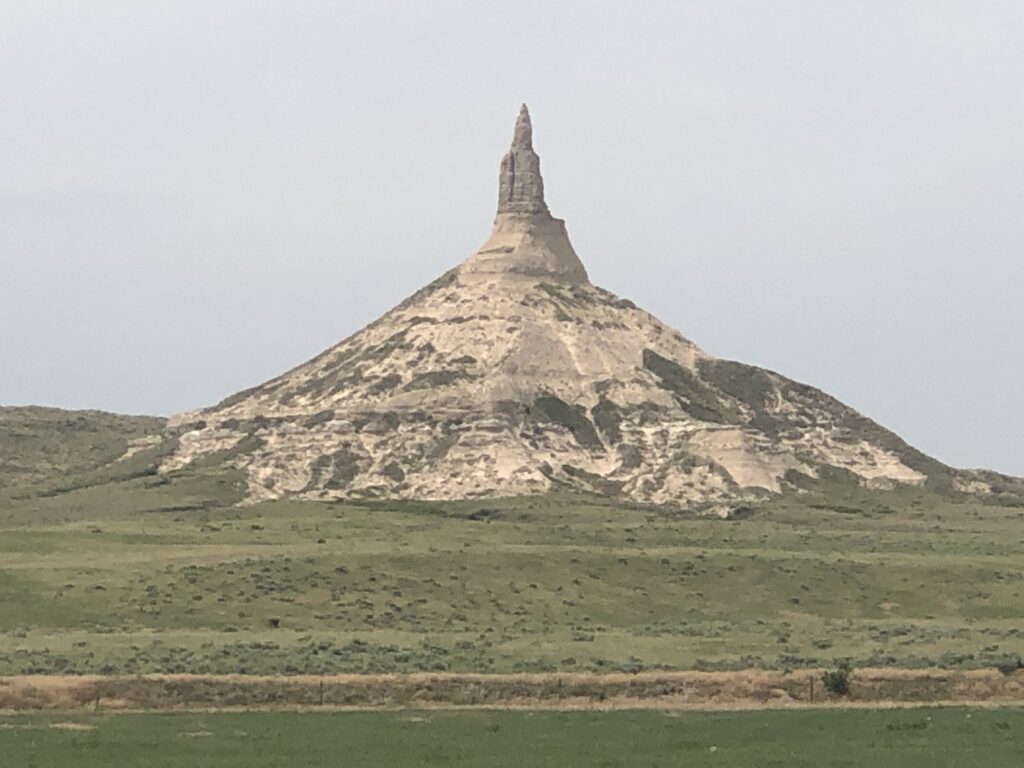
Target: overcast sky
x=196, y=196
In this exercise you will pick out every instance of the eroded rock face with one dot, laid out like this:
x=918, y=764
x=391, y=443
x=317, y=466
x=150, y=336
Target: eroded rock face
x=520, y=186
x=512, y=374
x=526, y=240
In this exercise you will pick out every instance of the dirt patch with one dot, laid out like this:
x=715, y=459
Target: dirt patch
x=72, y=726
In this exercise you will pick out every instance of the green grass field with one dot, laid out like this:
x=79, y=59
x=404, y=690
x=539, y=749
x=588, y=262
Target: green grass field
x=922, y=738
x=523, y=585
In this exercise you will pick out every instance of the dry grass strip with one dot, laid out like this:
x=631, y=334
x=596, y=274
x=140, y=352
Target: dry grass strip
x=754, y=689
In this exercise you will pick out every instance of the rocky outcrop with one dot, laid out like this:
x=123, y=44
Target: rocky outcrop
x=527, y=240
x=512, y=374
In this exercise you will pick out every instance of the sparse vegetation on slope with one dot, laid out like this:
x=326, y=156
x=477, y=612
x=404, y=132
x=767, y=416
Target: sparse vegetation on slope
x=45, y=444
x=551, y=409
x=132, y=571
x=694, y=396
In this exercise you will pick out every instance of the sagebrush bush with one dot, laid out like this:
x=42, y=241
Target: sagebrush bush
x=1009, y=666
x=837, y=680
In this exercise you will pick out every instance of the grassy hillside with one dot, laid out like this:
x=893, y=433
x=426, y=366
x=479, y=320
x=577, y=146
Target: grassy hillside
x=45, y=444
x=106, y=565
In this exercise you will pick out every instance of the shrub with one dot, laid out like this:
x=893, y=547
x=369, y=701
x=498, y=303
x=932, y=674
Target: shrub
x=837, y=680
x=1009, y=666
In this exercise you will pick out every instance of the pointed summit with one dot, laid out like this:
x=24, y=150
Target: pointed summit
x=523, y=137
x=526, y=240
x=520, y=186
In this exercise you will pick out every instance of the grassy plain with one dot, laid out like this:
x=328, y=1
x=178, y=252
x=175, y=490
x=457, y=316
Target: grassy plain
x=928, y=738
x=120, y=570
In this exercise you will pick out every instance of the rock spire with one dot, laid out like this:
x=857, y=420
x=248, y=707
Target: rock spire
x=527, y=241
x=523, y=136
x=520, y=185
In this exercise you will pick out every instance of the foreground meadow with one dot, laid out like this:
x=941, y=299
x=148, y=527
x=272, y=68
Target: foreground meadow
x=162, y=582
x=918, y=738
x=109, y=567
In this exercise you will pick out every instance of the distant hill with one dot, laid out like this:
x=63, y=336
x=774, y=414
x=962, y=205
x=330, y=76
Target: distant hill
x=44, y=444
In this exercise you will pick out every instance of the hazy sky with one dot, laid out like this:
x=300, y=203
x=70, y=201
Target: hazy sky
x=195, y=196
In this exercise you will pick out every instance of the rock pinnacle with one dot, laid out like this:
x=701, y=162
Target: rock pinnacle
x=520, y=186
x=523, y=136
x=527, y=241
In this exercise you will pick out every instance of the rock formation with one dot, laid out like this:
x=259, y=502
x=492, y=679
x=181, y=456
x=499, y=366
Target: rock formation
x=520, y=186
x=526, y=240
x=512, y=374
